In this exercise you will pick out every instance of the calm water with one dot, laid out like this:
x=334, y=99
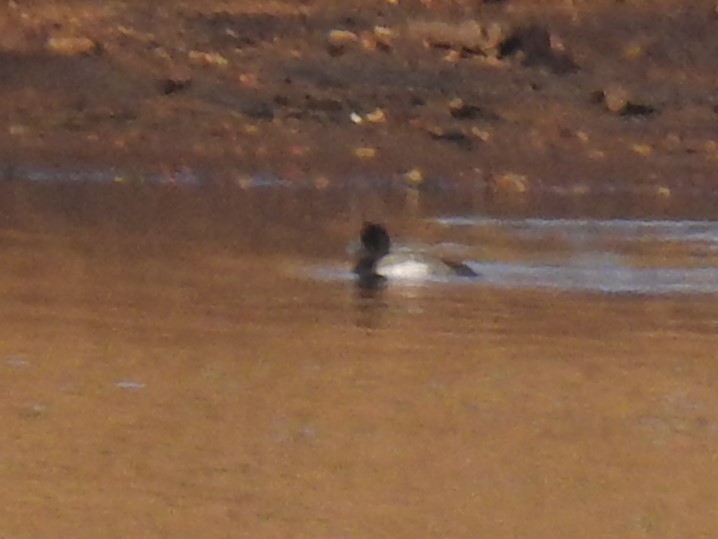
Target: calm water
x=190, y=362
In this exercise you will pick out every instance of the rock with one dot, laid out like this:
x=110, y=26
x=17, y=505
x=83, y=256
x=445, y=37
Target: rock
x=337, y=41
x=384, y=38
x=365, y=153
x=249, y=80
x=463, y=111
x=321, y=183
x=71, y=46
x=342, y=37
x=511, y=183
x=617, y=99
x=452, y=56
x=495, y=40
x=17, y=130
x=468, y=37
x=455, y=136
x=481, y=134
x=376, y=117
x=414, y=177
x=537, y=47
x=214, y=59
x=175, y=83
x=642, y=149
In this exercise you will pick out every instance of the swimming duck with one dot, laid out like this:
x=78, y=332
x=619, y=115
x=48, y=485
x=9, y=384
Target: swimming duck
x=376, y=262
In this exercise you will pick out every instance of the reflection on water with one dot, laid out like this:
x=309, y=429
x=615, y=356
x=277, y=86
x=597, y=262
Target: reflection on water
x=581, y=230
x=606, y=255
x=171, y=365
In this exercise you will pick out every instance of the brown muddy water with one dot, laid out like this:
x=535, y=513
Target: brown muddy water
x=182, y=362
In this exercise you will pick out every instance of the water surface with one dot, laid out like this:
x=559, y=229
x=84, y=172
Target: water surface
x=172, y=364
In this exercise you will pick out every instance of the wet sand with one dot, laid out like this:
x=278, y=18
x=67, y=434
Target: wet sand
x=518, y=95
x=170, y=367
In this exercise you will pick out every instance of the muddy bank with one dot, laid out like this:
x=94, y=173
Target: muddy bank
x=520, y=96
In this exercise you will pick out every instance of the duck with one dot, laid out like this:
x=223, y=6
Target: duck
x=376, y=263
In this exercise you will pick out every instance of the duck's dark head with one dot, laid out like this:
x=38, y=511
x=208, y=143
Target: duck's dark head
x=375, y=240
x=375, y=244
